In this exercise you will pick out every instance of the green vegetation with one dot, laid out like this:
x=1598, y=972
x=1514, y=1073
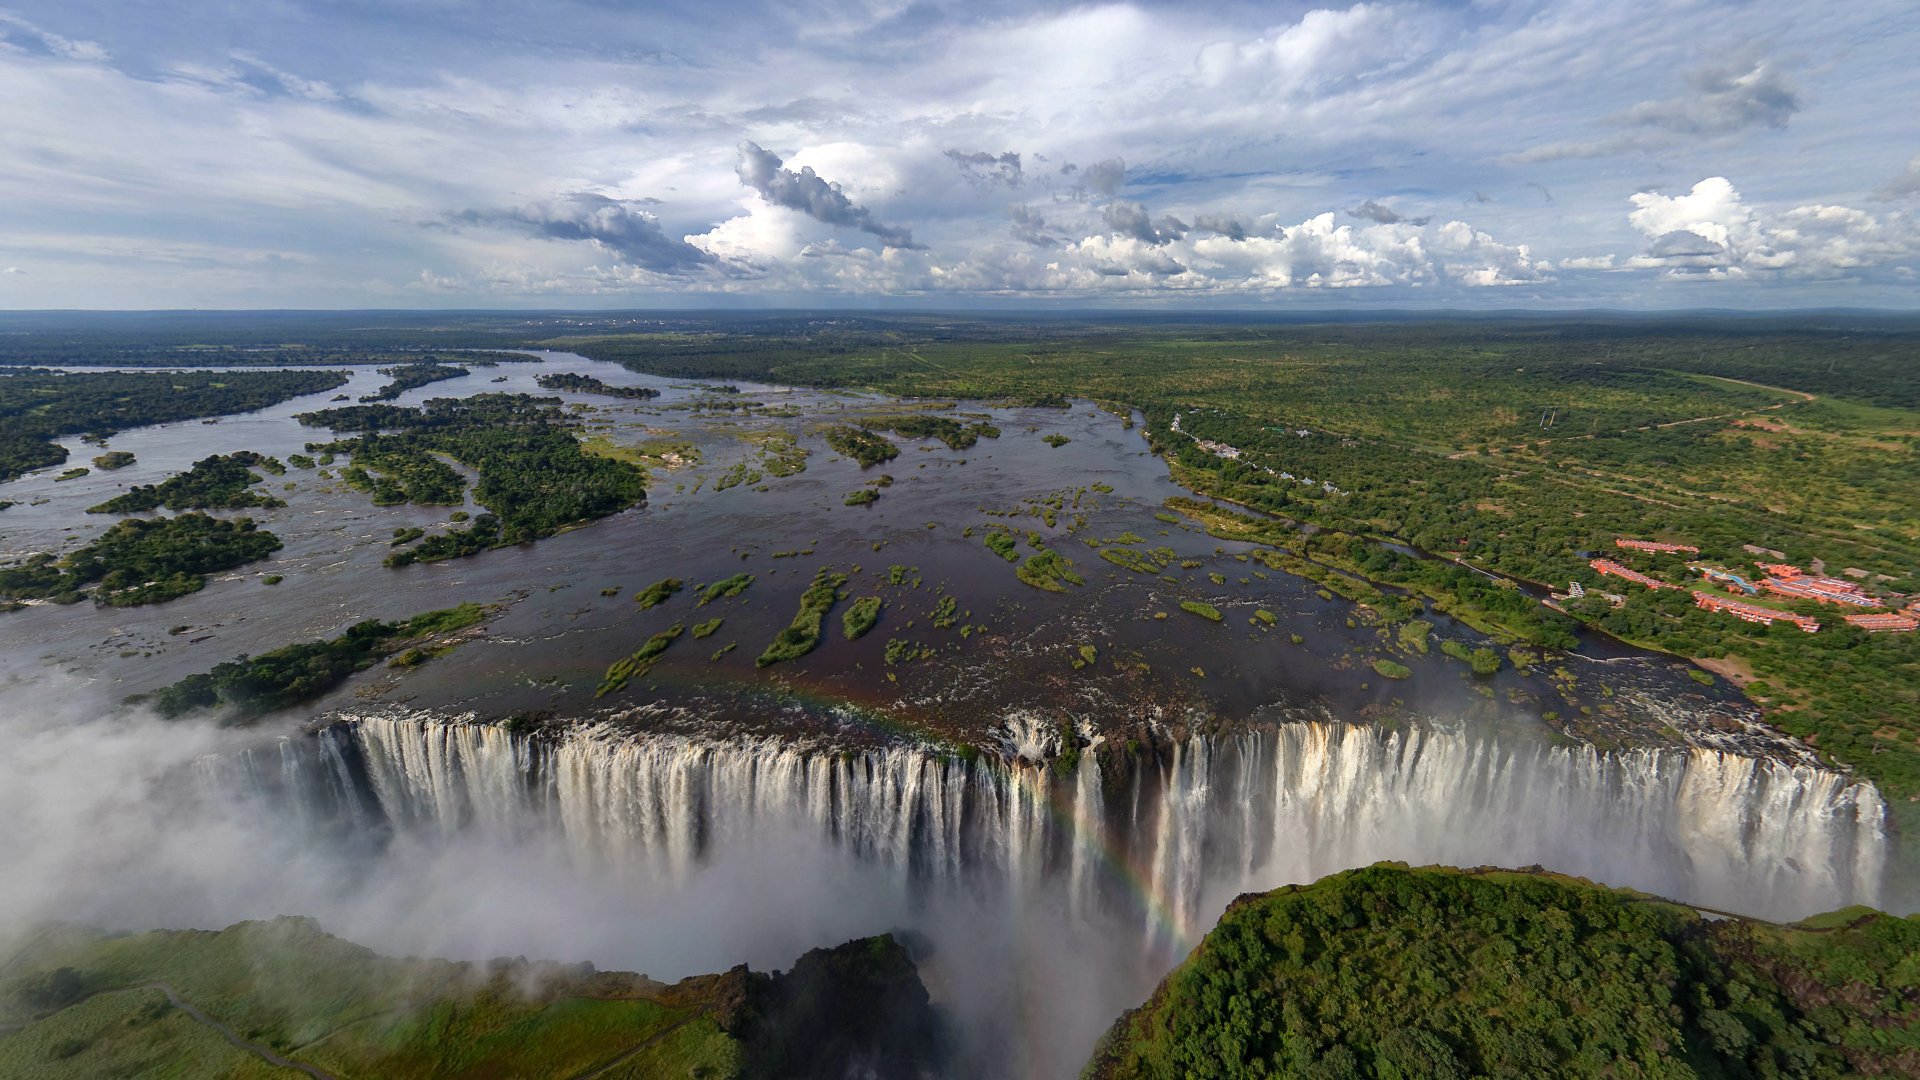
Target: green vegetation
x=863, y=497
x=72, y=474
x=81, y=1003
x=1435, y=973
x=37, y=407
x=219, y=482
x=1002, y=544
x=725, y=587
x=636, y=664
x=412, y=376
x=1056, y=440
x=1390, y=669
x=1049, y=570
x=249, y=687
x=1509, y=447
x=707, y=629
x=955, y=435
x=658, y=593
x=587, y=384
x=113, y=459
x=1413, y=635
x=860, y=616
x=801, y=635
x=1265, y=616
x=862, y=446
x=535, y=479
x=1205, y=611
x=1089, y=656
x=141, y=562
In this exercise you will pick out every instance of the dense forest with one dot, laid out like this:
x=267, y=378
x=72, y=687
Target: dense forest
x=407, y=377
x=1440, y=974
x=217, y=482
x=37, y=407
x=140, y=561
x=535, y=478
x=587, y=384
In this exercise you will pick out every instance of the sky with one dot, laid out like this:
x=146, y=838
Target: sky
x=1495, y=154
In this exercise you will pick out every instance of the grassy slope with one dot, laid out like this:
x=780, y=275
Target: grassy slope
x=76, y=1003
x=1434, y=973
x=324, y=1002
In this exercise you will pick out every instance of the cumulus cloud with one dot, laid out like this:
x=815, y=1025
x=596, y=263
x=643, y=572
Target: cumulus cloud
x=1314, y=254
x=1030, y=226
x=1131, y=219
x=1711, y=231
x=1227, y=224
x=615, y=225
x=984, y=170
x=806, y=191
x=1381, y=214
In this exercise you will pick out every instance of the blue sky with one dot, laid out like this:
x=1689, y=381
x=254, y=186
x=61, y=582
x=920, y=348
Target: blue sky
x=434, y=153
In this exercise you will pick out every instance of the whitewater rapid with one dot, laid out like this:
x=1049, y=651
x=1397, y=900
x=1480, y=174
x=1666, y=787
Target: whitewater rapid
x=1165, y=839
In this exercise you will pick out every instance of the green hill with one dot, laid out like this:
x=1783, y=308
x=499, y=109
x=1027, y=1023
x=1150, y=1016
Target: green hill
x=283, y=999
x=1435, y=973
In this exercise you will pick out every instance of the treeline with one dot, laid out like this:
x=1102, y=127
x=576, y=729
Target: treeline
x=218, y=482
x=1437, y=973
x=140, y=562
x=411, y=376
x=252, y=686
x=37, y=407
x=534, y=477
x=587, y=384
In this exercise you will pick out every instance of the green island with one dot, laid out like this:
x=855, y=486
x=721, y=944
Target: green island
x=1467, y=465
x=658, y=593
x=139, y=561
x=861, y=616
x=239, y=1002
x=37, y=407
x=637, y=663
x=1437, y=973
x=413, y=376
x=862, y=446
x=113, y=459
x=803, y=633
x=252, y=686
x=218, y=482
x=954, y=434
x=587, y=384
x=535, y=478
x=724, y=588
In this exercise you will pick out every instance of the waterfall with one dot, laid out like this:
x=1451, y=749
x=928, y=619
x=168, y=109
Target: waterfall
x=1166, y=842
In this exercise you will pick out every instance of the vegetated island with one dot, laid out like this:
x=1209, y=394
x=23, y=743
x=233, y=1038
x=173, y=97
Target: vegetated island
x=113, y=459
x=218, y=482
x=412, y=376
x=79, y=1002
x=37, y=407
x=253, y=686
x=1434, y=973
x=587, y=384
x=535, y=476
x=139, y=561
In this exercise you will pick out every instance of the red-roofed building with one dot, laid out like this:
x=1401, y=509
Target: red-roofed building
x=1780, y=570
x=1654, y=546
x=1752, y=613
x=1610, y=568
x=1884, y=622
x=1822, y=590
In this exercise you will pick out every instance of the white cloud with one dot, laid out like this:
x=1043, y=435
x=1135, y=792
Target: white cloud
x=17, y=33
x=1712, y=231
